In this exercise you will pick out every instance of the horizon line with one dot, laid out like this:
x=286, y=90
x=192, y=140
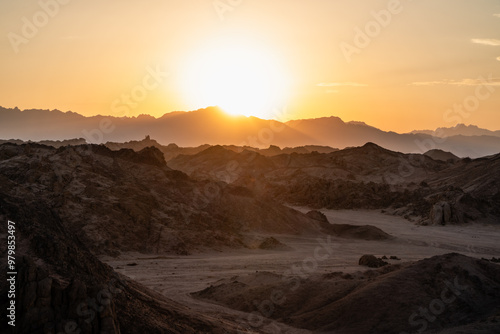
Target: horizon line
x=243, y=116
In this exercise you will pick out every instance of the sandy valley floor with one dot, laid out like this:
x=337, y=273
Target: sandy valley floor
x=177, y=276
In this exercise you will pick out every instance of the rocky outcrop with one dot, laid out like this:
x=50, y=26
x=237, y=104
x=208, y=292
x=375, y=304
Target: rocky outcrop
x=367, y=177
x=442, y=155
x=317, y=215
x=449, y=293
x=48, y=304
x=273, y=243
x=440, y=213
x=118, y=201
x=371, y=261
x=464, y=209
x=364, y=232
x=60, y=284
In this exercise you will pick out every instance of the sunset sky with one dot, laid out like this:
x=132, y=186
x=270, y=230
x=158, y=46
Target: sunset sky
x=396, y=65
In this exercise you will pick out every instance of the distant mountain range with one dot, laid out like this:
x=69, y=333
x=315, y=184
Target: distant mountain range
x=212, y=126
x=459, y=130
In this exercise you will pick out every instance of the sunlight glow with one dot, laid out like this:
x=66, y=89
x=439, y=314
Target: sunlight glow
x=241, y=79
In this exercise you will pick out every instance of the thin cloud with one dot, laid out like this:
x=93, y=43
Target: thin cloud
x=340, y=84
x=486, y=41
x=463, y=82
x=498, y=58
x=497, y=15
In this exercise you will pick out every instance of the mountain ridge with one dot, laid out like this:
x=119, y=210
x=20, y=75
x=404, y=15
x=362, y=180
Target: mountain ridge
x=459, y=129
x=212, y=126
x=364, y=177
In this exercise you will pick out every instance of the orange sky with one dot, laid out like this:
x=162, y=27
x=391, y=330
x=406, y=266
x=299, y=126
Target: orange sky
x=396, y=65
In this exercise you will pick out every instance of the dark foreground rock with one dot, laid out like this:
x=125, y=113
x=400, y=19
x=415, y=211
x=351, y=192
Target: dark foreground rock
x=61, y=287
x=451, y=293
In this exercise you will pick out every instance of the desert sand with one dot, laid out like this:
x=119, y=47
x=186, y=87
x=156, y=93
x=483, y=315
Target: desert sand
x=176, y=277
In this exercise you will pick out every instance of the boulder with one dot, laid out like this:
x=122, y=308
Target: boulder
x=317, y=215
x=441, y=213
x=371, y=261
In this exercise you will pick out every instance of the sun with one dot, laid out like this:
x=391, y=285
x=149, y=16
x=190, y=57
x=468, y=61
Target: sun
x=240, y=79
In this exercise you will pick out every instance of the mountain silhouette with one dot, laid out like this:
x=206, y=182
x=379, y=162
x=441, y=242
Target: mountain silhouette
x=460, y=129
x=213, y=126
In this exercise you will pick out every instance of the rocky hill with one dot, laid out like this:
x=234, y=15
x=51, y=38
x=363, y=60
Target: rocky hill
x=363, y=177
x=123, y=200
x=75, y=202
x=442, y=155
x=62, y=287
x=451, y=293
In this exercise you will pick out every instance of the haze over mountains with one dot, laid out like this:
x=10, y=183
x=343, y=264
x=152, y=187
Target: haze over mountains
x=459, y=129
x=212, y=126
